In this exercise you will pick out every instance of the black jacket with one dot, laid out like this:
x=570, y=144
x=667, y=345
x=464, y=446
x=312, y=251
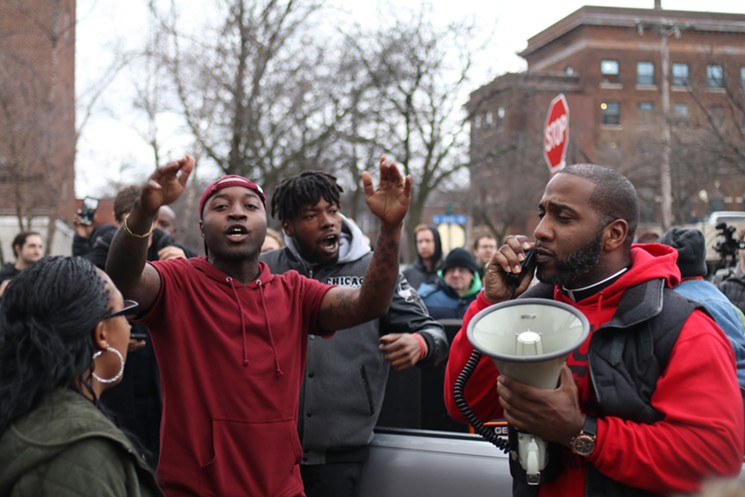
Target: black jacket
x=8, y=272
x=734, y=288
x=417, y=273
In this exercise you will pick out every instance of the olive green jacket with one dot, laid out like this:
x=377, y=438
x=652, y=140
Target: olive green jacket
x=67, y=447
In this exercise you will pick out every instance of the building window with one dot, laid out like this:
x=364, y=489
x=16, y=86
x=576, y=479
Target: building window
x=714, y=76
x=680, y=111
x=477, y=121
x=489, y=120
x=742, y=77
x=611, y=112
x=645, y=113
x=610, y=71
x=716, y=112
x=680, y=74
x=645, y=73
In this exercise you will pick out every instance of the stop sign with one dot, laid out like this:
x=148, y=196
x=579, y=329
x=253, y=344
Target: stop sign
x=556, y=133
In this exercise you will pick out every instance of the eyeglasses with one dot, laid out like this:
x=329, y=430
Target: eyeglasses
x=130, y=309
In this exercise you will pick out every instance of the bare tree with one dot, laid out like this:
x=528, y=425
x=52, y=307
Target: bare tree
x=410, y=106
x=709, y=143
x=721, y=120
x=36, y=102
x=254, y=91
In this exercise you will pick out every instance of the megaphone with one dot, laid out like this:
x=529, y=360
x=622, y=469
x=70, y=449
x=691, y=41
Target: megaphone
x=529, y=340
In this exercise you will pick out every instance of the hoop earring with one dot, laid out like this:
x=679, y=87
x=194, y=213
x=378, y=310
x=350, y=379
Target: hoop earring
x=118, y=375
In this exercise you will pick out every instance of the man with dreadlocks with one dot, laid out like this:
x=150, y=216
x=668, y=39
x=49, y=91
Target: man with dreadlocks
x=231, y=337
x=336, y=430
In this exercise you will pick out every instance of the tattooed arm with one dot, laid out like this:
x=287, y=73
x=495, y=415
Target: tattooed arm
x=343, y=307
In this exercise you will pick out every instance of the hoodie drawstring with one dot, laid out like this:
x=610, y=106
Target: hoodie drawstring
x=277, y=369
x=243, y=321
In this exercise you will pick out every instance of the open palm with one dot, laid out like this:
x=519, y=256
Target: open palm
x=390, y=201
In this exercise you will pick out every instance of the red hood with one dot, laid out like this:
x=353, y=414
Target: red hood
x=648, y=261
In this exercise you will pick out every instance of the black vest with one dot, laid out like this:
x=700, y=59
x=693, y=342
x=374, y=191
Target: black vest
x=626, y=357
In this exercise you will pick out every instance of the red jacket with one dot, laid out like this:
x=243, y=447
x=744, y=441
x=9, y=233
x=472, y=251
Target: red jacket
x=231, y=358
x=702, y=434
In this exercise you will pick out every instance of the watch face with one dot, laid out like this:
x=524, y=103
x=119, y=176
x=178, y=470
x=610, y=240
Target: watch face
x=583, y=445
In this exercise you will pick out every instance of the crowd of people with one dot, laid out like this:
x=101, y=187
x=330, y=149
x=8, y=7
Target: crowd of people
x=136, y=367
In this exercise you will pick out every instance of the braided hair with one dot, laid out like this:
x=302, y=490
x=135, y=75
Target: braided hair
x=47, y=316
x=306, y=189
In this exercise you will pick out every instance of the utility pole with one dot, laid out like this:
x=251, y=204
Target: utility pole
x=665, y=28
x=665, y=170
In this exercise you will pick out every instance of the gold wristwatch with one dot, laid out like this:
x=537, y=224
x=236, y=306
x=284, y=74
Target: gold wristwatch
x=584, y=443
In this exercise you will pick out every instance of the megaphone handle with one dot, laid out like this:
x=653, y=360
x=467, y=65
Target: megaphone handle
x=458, y=388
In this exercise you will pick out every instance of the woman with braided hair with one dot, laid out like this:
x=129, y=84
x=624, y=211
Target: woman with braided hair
x=63, y=341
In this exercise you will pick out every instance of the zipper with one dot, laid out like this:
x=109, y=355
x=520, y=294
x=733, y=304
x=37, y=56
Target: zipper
x=368, y=391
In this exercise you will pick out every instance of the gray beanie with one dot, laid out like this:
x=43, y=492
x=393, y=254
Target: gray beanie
x=691, y=248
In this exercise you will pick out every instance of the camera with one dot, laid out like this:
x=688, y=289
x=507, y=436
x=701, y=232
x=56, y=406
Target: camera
x=727, y=246
x=90, y=205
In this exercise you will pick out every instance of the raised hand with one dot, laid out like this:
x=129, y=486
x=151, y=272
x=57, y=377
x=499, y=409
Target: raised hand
x=390, y=201
x=166, y=184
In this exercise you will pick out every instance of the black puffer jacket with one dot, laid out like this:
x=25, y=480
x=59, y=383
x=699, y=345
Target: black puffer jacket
x=734, y=288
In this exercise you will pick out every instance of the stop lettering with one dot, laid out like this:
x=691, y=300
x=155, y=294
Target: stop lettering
x=556, y=133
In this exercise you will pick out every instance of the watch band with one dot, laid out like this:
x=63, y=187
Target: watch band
x=591, y=426
x=583, y=444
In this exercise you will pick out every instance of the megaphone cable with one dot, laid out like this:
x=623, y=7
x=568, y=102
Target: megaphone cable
x=463, y=407
x=460, y=383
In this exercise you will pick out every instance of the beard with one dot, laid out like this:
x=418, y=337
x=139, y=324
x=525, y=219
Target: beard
x=578, y=264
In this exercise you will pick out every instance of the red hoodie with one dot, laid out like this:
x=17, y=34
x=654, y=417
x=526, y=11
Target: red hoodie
x=702, y=434
x=231, y=360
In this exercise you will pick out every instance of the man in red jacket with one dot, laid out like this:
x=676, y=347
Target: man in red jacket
x=231, y=337
x=649, y=403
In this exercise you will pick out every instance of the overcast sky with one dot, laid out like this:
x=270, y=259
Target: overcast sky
x=110, y=139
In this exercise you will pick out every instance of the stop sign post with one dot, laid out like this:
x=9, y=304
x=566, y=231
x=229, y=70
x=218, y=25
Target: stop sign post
x=556, y=134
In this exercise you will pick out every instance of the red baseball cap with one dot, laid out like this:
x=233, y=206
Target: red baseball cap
x=226, y=182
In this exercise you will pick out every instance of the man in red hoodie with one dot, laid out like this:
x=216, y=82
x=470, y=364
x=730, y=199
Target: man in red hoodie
x=649, y=404
x=231, y=337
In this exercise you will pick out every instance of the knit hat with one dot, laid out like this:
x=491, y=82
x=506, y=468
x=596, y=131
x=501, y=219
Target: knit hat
x=226, y=182
x=460, y=257
x=691, y=248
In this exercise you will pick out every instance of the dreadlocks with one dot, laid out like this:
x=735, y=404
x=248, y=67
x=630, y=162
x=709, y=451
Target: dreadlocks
x=295, y=193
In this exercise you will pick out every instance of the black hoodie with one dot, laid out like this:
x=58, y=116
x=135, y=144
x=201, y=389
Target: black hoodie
x=417, y=273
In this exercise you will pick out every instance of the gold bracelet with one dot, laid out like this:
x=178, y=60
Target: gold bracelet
x=135, y=235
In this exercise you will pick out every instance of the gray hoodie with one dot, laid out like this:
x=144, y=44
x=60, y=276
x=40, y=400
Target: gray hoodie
x=346, y=375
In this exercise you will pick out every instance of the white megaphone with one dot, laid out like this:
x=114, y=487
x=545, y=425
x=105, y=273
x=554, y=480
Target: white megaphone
x=529, y=340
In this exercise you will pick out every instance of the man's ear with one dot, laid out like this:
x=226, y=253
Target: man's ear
x=100, y=336
x=615, y=235
x=287, y=228
x=201, y=228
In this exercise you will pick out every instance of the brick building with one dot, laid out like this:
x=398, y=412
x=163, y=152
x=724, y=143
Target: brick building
x=37, y=119
x=608, y=62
